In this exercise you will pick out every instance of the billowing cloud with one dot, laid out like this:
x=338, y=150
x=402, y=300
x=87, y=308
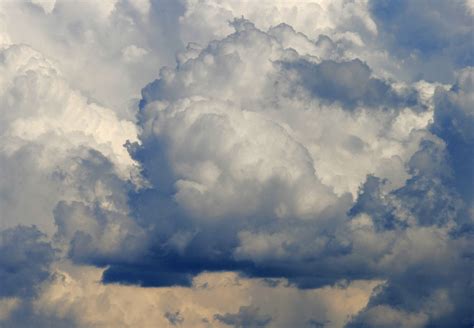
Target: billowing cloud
x=122, y=43
x=291, y=164
x=347, y=20
x=234, y=159
x=50, y=136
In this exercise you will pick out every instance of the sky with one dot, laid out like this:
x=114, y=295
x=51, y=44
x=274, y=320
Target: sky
x=230, y=163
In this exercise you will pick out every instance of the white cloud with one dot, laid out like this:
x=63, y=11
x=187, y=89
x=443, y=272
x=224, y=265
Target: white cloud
x=47, y=129
x=312, y=18
x=86, y=39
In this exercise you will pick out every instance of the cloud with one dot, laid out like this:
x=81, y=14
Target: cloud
x=336, y=19
x=99, y=39
x=349, y=83
x=203, y=124
x=403, y=40
x=174, y=318
x=210, y=131
x=25, y=258
x=453, y=123
x=280, y=166
x=434, y=211
x=419, y=33
x=75, y=297
x=56, y=145
x=246, y=317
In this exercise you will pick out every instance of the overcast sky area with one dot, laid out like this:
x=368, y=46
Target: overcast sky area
x=231, y=163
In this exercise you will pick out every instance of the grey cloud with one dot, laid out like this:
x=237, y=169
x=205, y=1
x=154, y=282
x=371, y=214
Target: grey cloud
x=95, y=235
x=174, y=318
x=25, y=316
x=453, y=122
x=317, y=324
x=433, y=290
x=349, y=83
x=201, y=147
x=409, y=205
x=97, y=228
x=248, y=316
x=25, y=258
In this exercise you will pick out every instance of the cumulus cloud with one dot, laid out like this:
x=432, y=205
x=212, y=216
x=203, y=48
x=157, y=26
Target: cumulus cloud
x=337, y=19
x=405, y=40
x=120, y=43
x=266, y=236
x=296, y=164
x=48, y=133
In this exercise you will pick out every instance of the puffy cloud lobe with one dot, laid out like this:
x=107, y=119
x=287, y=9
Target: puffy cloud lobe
x=402, y=40
x=321, y=68
x=229, y=69
x=217, y=150
x=337, y=19
x=278, y=93
x=55, y=144
x=99, y=39
x=46, y=105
